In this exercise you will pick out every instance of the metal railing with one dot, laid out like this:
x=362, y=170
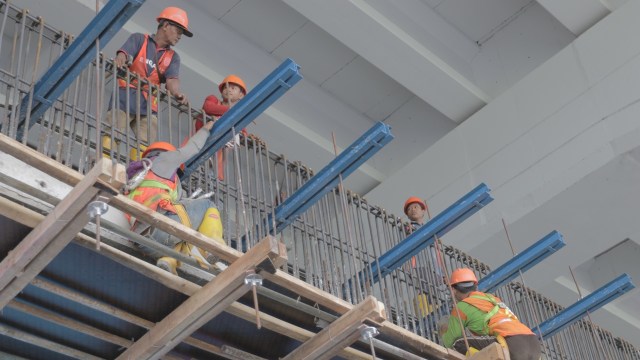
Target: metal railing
x=336, y=239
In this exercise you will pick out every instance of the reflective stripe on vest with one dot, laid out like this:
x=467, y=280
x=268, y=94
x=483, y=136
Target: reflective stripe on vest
x=154, y=192
x=139, y=66
x=497, y=313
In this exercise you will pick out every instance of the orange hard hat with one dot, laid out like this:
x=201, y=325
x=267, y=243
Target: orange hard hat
x=234, y=79
x=159, y=145
x=412, y=200
x=164, y=146
x=177, y=16
x=463, y=275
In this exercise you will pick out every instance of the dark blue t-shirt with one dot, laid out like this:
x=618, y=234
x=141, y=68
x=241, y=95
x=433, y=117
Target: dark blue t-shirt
x=131, y=48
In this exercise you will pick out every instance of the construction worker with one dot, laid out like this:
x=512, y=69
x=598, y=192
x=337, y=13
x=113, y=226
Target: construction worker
x=155, y=183
x=486, y=315
x=153, y=59
x=232, y=90
x=415, y=209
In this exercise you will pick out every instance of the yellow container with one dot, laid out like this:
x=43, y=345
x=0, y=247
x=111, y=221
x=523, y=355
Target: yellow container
x=211, y=225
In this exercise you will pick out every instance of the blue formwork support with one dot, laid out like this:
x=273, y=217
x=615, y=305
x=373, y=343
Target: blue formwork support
x=327, y=179
x=522, y=262
x=419, y=240
x=240, y=115
x=590, y=303
x=75, y=58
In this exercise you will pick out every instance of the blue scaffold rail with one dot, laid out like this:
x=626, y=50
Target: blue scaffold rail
x=250, y=107
x=419, y=240
x=75, y=58
x=525, y=260
x=589, y=303
x=327, y=179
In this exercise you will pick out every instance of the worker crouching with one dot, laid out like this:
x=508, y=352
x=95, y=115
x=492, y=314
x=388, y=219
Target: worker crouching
x=486, y=315
x=156, y=184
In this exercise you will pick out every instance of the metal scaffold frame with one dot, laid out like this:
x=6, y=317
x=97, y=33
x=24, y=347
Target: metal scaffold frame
x=331, y=236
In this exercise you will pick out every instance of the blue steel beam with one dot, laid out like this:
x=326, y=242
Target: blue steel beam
x=522, y=262
x=240, y=115
x=590, y=303
x=75, y=58
x=327, y=179
x=419, y=240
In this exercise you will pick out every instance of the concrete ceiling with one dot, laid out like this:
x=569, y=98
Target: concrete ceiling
x=422, y=66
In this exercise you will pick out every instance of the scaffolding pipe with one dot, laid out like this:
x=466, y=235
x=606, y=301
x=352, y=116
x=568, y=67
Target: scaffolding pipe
x=522, y=262
x=77, y=56
x=239, y=116
x=419, y=240
x=327, y=178
x=590, y=303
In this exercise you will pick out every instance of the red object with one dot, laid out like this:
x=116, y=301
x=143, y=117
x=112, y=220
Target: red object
x=212, y=106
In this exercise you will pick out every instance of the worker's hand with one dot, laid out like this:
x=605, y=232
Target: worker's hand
x=181, y=98
x=208, y=125
x=121, y=60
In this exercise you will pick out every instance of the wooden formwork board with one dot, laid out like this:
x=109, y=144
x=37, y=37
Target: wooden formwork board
x=410, y=341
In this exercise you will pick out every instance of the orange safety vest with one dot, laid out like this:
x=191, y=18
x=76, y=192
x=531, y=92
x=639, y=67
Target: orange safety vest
x=499, y=319
x=156, y=192
x=139, y=66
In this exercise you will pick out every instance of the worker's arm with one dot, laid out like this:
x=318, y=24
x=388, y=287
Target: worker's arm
x=167, y=163
x=129, y=49
x=454, y=330
x=173, y=85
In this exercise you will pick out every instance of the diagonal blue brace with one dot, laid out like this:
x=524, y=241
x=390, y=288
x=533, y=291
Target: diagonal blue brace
x=327, y=178
x=522, y=262
x=75, y=58
x=590, y=303
x=240, y=115
x=419, y=240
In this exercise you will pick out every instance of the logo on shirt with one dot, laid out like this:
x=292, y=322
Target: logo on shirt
x=148, y=62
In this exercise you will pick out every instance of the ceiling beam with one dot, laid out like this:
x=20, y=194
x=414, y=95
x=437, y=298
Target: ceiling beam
x=340, y=333
x=206, y=303
x=50, y=237
x=364, y=29
x=576, y=15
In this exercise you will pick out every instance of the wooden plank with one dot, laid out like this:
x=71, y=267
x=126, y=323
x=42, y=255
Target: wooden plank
x=44, y=343
x=410, y=341
x=116, y=312
x=47, y=239
x=69, y=323
x=31, y=218
x=340, y=333
x=7, y=356
x=492, y=352
x=206, y=303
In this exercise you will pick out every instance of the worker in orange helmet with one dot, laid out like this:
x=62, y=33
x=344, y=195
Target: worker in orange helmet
x=232, y=90
x=486, y=315
x=415, y=208
x=152, y=58
x=155, y=183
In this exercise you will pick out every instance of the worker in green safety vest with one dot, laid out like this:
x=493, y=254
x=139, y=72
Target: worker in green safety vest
x=486, y=315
